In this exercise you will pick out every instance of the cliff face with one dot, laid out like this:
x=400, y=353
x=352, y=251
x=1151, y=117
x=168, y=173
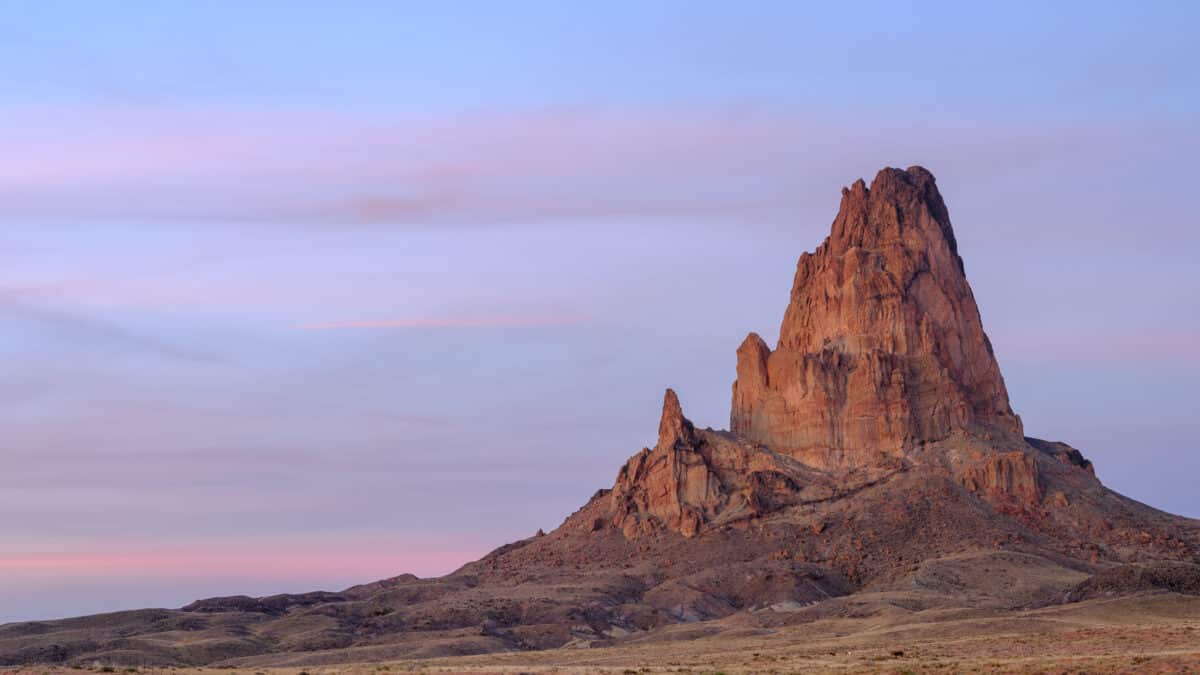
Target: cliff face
x=881, y=347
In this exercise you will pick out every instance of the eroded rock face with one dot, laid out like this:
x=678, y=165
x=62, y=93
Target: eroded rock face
x=693, y=479
x=881, y=346
x=882, y=366
x=1008, y=476
x=673, y=428
x=1063, y=453
x=666, y=486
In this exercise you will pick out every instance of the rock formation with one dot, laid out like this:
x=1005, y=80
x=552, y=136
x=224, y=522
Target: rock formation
x=670, y=484
x=695, y=479
x=1008, y=475
x=874, y=468
x=692, y=478
x=882, y=366
x=881, y=347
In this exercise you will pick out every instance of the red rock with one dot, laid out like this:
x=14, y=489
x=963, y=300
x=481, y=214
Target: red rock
x=693, y=478
x=665, y=486
x=1010, y=475
x=881, y=347
x=882, y=366
x=673, y=428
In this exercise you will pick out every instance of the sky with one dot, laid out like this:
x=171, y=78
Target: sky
x=302, y=295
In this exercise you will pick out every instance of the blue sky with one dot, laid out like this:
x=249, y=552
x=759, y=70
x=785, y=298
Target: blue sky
x=298, y=295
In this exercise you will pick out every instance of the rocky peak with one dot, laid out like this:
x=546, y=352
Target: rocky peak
x=881, y=347
x=673, y=429
x=868, y=217
x=661, y=487
x=695, y=479
x=881, y=358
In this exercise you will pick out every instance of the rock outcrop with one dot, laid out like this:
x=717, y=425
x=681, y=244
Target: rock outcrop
x=1011, y=476
x=882, y=366
x=693, y=479
x=881, y=347
x=667, y=486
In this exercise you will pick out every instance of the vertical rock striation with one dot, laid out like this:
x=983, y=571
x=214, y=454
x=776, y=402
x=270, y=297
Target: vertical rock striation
x=669, y=485
x=881, y=347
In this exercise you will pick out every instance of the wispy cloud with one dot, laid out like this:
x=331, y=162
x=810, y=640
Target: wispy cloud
x=277, y=558
x=461, y=322
x=568, y=165
x=24, y=305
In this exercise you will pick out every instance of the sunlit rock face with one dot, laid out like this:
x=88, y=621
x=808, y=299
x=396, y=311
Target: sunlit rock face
x=696, y=479
x=882, y=367
x=881, y=347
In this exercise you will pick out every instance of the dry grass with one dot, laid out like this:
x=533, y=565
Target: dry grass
x=1147, y=634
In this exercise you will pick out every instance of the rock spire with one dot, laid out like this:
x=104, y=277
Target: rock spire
x=881, y=347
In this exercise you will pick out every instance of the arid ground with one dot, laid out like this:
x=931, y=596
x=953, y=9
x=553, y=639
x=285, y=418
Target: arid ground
x=1152, y=633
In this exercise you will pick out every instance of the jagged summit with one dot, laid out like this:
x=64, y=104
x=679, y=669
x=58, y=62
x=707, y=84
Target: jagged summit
x=912, y=189
x=673, y=428
x=881, y=346
x=882, y=367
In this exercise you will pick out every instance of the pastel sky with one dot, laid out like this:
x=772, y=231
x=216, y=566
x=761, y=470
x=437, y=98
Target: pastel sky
x=302, y=295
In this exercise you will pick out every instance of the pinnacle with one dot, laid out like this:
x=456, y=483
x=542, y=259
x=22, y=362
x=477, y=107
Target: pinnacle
x=881, y=346
x=673, y=427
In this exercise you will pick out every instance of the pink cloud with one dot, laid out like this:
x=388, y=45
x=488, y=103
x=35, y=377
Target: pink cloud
x=464, y=322
x=337, y=557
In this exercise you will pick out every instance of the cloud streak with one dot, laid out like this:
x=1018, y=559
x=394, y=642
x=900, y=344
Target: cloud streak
x=526, y=166
x=84, y=329
x=361, y=558
x=462, y=322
